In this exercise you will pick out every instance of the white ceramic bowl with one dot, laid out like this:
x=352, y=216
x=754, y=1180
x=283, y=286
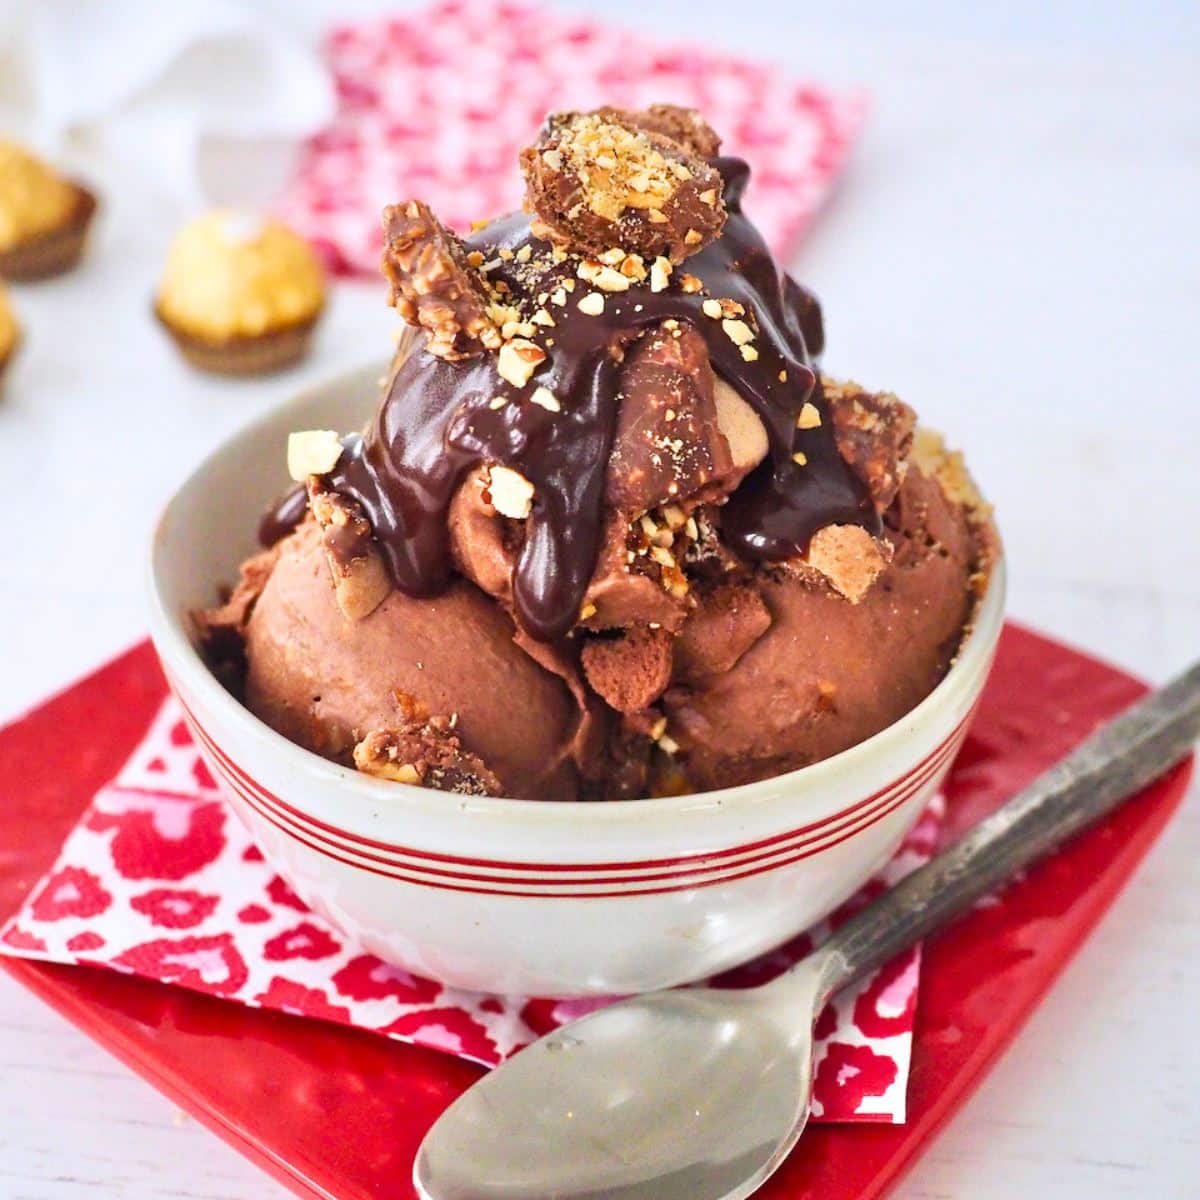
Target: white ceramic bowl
x=519, y=896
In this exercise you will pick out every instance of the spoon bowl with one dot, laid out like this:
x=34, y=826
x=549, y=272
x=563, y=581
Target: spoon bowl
x=644, y=1100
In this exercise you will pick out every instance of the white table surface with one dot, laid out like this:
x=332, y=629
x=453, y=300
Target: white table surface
x=1014, y=250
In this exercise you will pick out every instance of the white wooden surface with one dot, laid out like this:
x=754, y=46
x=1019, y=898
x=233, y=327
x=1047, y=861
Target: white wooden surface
x=1014, y=251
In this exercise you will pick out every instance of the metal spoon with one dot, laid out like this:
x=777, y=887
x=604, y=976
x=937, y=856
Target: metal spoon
x=698, y=1094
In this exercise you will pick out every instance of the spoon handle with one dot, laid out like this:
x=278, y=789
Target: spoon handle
x=1109, y=767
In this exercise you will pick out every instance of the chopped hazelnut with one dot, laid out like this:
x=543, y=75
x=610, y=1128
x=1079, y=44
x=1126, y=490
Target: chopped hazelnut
x=738, y=332
x=810, y=416
x=511, y=492
x=517, y=361
x=592, y=304
x=546, y=398
x=606, y=278
x=660, y=274
x=312, y=452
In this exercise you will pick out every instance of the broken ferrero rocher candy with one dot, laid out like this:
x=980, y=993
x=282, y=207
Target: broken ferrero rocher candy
x=360, y=579
x=426, y=752
x=611, y=177
x=432, y=284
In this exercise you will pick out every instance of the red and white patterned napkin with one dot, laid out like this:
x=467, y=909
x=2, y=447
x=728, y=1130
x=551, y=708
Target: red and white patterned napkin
x=435, y=104
x=160, y=879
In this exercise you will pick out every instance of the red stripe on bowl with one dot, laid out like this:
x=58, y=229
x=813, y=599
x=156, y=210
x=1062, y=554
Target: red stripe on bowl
x=446, y=885
x=351, y=841
x=907, y=787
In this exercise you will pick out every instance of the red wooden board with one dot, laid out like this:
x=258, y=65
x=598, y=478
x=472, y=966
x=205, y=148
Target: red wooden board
x=338, y=1114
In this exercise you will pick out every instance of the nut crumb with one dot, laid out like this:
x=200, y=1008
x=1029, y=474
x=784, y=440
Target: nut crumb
x=809, y=417
x=738, y=332
x=517, y=361
x=312, y=452
x=510, y=492
x=544, y=397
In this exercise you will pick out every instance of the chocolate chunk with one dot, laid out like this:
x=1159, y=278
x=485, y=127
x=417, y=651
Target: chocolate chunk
x=874, y=432
x=668, y=442
x=425, y=752
x=622, y=593
x=631, y=669
x=433, y=285
x=728, y=620
x=599, y=180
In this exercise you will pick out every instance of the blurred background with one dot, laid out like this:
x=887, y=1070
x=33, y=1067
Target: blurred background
x=1011, y=247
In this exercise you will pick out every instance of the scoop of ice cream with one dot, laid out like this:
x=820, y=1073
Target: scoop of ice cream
x=327, y=682
x=794, y=672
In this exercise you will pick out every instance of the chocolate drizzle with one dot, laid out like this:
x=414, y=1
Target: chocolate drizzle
x=283, y=516
x=440, y=419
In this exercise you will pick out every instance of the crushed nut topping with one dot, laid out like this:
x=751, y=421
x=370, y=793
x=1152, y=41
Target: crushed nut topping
x=607, y=278
x=517, y=361
x=544, y=397
x=660, y=274
x=738, y=332
x=509, y=492
x=312, y=452
x=424, y=751
x=809, y=417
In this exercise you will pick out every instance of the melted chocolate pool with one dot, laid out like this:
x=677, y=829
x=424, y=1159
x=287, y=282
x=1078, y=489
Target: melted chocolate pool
x=438, y=421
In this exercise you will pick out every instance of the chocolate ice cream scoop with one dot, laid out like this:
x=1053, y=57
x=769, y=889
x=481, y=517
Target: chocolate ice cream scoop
x=328, y=682
x=610, y=531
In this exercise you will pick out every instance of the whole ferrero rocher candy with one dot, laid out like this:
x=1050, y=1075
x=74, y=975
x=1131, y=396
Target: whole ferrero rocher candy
x=240, y=295
x=44, y=217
